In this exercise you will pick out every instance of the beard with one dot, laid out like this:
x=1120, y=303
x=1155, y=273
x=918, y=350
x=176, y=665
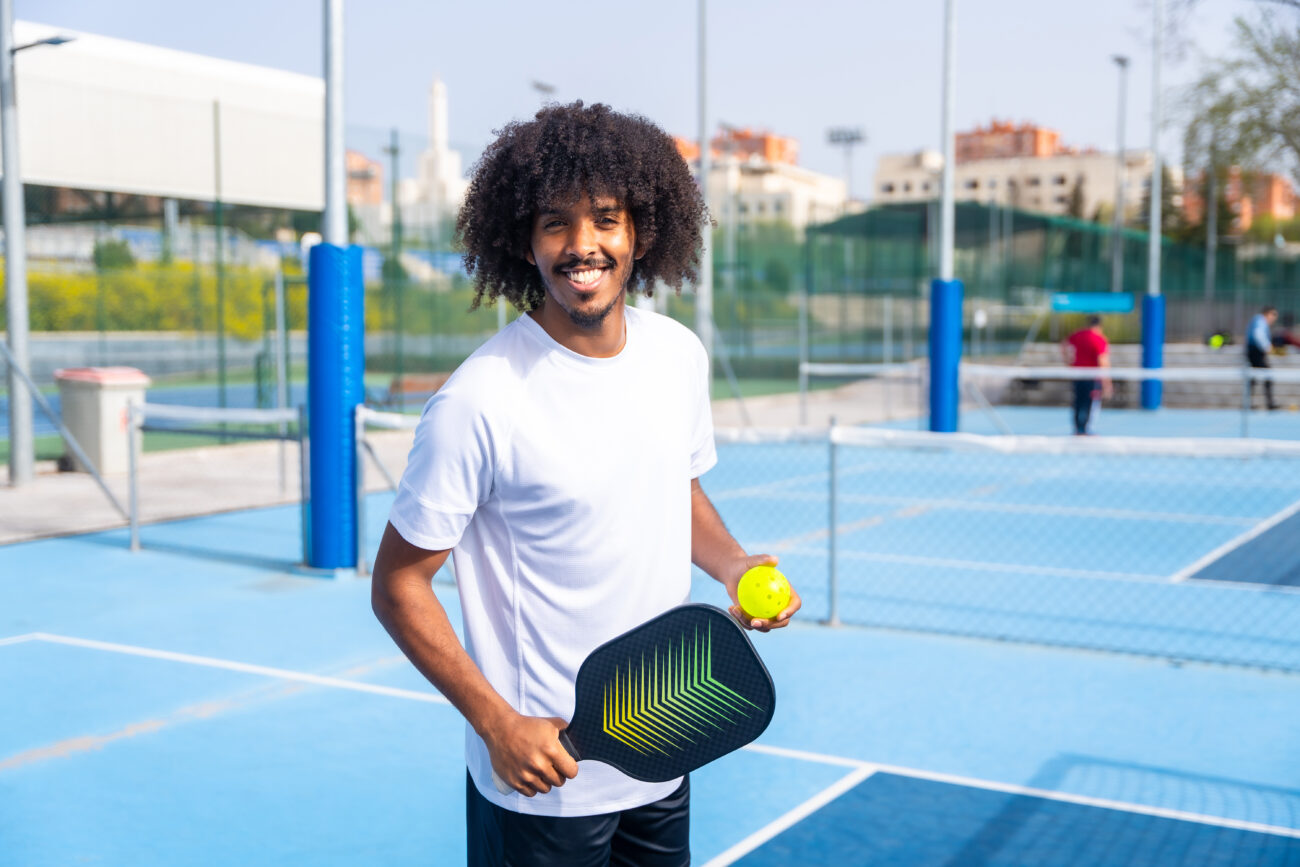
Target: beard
x=591, y=321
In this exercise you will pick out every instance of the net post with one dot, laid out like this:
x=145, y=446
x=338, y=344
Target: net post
x=833, y=612
x=945, y=353
x=1153, y=346
x=335, y=361
x=132, y=472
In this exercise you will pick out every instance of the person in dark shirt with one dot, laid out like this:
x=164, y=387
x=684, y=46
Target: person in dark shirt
x=1259, y=343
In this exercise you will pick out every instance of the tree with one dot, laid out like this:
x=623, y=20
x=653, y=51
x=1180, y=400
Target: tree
x=1076, y=206
x=112, y=255
x=1171, y=215
x=1245, y=110
x=1195, y=233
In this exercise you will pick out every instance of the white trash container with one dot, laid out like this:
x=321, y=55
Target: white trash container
x=95, y=401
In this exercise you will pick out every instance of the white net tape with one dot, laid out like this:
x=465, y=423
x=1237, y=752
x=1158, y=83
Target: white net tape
x=206, y=415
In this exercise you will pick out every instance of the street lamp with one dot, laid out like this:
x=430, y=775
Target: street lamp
x=51, y=40
x=846, y=137
x=22, y=456
x=1117, y=221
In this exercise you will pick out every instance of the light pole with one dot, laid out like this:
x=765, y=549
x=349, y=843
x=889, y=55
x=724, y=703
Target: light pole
x=732, y=196
x=945, y=292
x=1117, y=221
x=546, y=91
x=846, y=137
x=22, y=454
x=1153, y=309
x=335, y=221
x=704, y=286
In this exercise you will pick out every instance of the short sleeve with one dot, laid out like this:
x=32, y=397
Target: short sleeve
x=704, y=453
x=448, y=474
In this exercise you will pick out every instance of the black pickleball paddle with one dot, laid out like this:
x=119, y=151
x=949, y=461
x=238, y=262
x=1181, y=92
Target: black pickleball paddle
x=669, y=696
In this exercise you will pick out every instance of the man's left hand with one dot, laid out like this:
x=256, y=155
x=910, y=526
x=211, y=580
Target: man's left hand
x=732, y=583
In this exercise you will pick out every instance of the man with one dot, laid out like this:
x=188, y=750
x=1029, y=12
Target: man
x=561, y=461
x=1259, y=343
x=1087, y=347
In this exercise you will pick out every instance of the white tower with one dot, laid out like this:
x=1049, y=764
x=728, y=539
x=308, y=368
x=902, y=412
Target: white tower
x=440, y=187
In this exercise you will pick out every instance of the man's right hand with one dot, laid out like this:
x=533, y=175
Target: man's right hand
x=527, y=755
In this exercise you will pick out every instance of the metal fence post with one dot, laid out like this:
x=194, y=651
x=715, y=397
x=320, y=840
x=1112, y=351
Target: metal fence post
x=833, y=618
x=359, y=434
x=1246, y=386
x=304, y=483
x=132, y=472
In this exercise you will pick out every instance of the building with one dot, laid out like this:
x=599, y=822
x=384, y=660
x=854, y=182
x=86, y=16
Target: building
x=365, y=180
x=112, y=129
x=1249, y=195
x=1003, y=140
x=1022, y=166
x=754, y=178
x=429, y=201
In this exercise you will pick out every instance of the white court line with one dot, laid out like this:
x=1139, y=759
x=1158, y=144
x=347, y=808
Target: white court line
x=243, y=667
x=861, y=772
x=867, y=769
x=985, y=566
x=1024, y=508
x=1233, y=544
x=19, y=639
x=798, y=814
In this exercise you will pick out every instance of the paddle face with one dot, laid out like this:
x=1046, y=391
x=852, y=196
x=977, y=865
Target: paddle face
x=671, y=695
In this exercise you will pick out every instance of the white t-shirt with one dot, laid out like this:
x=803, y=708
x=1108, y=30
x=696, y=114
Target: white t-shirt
x=562, y=483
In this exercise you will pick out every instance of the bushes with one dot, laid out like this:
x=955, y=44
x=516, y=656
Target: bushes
x=157, y=298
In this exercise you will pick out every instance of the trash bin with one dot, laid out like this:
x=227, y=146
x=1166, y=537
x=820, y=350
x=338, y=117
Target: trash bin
x=95, y=401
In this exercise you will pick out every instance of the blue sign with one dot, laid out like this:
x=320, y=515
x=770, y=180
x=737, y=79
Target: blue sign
x=1092, y=302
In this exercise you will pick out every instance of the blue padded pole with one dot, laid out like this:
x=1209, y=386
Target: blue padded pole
x=1153, y=347
x=945, y=353
x=335, y=363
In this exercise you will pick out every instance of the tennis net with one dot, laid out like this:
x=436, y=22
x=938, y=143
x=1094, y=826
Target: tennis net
x=1176, y=548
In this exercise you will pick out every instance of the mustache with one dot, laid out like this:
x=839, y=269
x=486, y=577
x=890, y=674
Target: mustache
x=589, y=262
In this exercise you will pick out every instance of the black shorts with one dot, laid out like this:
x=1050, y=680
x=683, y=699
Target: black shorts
x=656, y=835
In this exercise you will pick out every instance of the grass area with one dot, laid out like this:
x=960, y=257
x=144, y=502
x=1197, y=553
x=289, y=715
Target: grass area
x=760, y=387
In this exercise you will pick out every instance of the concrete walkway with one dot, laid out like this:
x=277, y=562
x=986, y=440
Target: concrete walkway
x=187, y=482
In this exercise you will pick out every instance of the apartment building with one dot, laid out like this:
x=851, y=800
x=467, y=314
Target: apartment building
x=754, y=178
x=1249, y=195
x=1023, y=166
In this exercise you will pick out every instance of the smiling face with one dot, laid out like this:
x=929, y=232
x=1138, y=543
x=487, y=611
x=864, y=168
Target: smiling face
x=584, y=252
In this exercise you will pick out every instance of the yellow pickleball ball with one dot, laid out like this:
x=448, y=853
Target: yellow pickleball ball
x=763, y=592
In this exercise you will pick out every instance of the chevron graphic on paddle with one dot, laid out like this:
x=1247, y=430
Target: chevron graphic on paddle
x=669, y=696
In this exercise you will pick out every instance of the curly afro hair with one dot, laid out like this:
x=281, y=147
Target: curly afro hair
x=567, y=151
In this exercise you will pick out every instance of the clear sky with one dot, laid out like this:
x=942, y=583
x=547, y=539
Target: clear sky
x=795, y=67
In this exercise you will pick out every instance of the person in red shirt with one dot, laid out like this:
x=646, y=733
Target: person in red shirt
x=1087, y=347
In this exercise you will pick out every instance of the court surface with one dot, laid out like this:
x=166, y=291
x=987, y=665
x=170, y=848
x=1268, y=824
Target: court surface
x=199, y=702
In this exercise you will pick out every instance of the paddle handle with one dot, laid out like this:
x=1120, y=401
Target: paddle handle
x=569, y=748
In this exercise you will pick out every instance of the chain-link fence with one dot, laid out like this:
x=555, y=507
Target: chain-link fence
x=1011, y=263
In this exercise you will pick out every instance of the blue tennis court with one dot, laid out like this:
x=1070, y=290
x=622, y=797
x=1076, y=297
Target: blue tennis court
x=201, y=702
